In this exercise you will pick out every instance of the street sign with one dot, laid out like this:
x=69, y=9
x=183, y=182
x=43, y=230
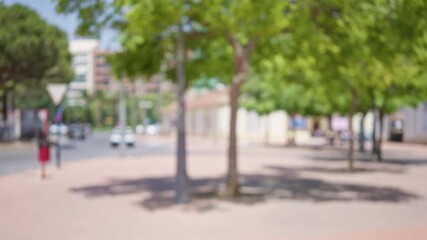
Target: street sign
x=56, y=92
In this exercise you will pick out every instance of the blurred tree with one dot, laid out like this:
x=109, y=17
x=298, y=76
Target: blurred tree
x=148, y=42
x=258, y=96
x=374, y=52
x=244, y=25
x=308, y=57
x=96, y=105
x=32, y=54
x=161, y=37
x=398, y=51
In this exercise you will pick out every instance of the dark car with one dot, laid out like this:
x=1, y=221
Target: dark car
x=77, y=131
x=30, y=124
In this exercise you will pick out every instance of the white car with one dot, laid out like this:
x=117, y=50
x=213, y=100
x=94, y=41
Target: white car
x=122, y=135
x=140, y=129
x=64, y=140
x=151, y=129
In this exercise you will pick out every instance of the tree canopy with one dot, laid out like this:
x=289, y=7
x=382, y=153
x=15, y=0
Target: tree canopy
x=307, y=57
x=32, y=53
x=30, y=47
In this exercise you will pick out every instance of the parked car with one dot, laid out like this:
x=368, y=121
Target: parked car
x=151, y=129
x=30, y=124
x=77, y=131
x=140, y=129
x=122, y=135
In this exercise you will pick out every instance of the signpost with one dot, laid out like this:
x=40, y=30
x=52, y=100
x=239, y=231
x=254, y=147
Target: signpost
x=56, y=92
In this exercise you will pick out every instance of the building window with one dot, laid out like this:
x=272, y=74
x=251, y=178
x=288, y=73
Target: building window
x=80, y=70
x=80, y=59
x=80, y=78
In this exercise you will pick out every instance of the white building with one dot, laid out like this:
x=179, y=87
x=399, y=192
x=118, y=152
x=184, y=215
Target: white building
x=415, y=124
x=84, y=55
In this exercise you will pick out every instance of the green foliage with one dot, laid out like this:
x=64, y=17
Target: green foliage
x=328, y=48
x=100, y=110
x=148, y=38
x=258, y=96
x=32, y=54
x=92, y=15
x=360, y=46
x=206, y=83
x=31, y=50
x=244, y=19
x=31, y=99
x=79, y=114
x=211, y=59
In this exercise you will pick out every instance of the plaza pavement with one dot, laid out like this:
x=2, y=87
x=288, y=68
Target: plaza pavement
x=300, y=192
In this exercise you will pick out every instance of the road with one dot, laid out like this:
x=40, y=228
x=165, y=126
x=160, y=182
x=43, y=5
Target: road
x=22, y=156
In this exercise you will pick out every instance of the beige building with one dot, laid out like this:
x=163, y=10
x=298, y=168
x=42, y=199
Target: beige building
x=102, y=75
x=414, y=124
x=208, y=116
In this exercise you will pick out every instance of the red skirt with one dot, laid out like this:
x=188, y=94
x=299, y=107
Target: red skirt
x=44, y=153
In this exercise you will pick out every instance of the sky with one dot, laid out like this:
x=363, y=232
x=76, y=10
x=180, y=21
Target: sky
x=68, y=23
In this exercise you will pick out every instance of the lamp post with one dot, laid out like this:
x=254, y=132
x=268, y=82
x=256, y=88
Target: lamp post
x=56, y=92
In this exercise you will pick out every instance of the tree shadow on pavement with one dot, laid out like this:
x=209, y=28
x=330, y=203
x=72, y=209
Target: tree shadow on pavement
x=282, y=184
x=316, y=147
x=359, y=168
x=368, y=158
x=392, y=157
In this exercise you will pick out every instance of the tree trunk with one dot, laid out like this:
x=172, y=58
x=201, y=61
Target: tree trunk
x=351, y=148
x=232, y=175
x=380, y=135
x=362, y=134
x=350, y=128
x=291, y=132
x=329, y=122
x=5, y=104
x=286, y=130
x=114, y=118
x=160, y=99
x=330, y=133
x=241, y=69
x=134, y=112
x=267, y=130
x=98, y=111
x=181, y=194
x=374, y=135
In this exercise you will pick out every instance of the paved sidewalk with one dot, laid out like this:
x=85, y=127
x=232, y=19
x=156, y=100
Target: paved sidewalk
x=289, y=193
x=17, y=145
